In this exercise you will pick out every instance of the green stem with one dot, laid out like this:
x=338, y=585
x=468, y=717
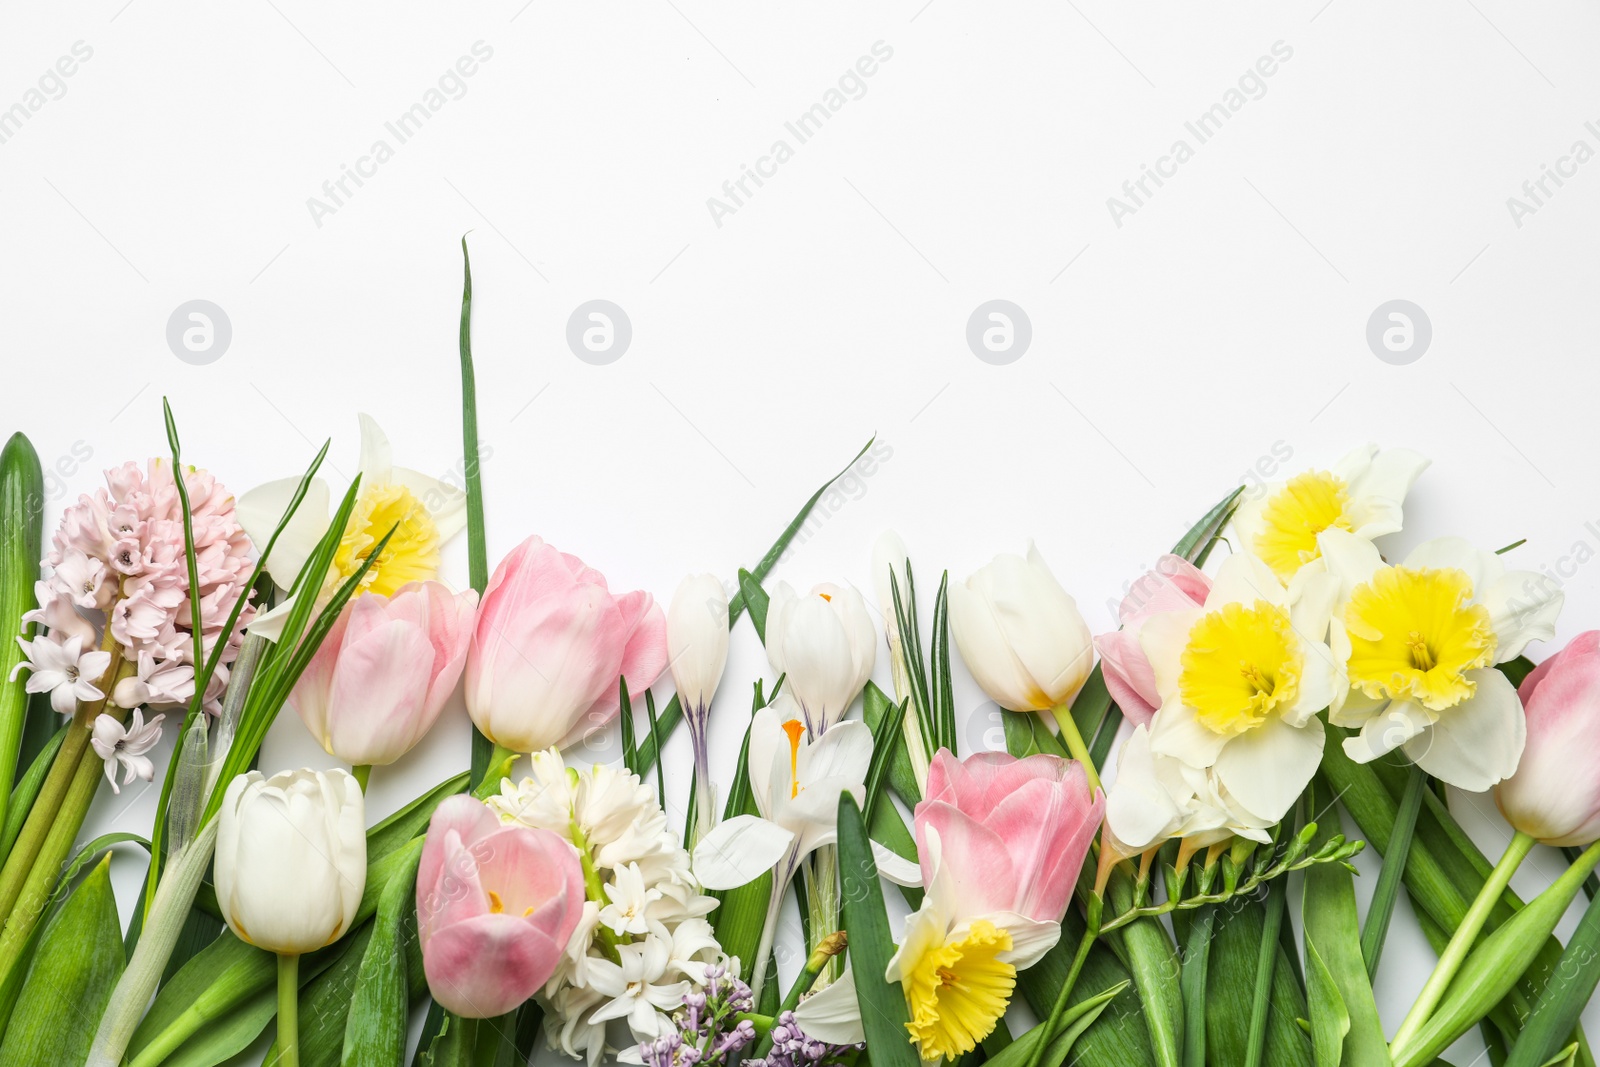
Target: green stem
x=288, y=1011
x=1047, y=1033
x=1462, y=941
x=1394, y=868
x=1074, y=742
x=1192, y=980
x=1266, y=964
x=361, y=772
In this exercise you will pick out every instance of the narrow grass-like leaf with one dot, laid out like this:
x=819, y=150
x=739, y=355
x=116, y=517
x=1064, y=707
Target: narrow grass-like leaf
x=27, y=790
x=182, y=485
x=672, y=714
x=1266, y=965
x=1074, y=1022
x=1192, y=983
x=875, y=704
x=477, y=544
x=21, y=539
x=1203, y=534
x=755, y=601
x=905, y=613
x=630, y=750
x=375, y=1033
x=1330, y=1022
x=866, y=922
x=655, y=743
x=1394, y=865
x=941, y=684
x=886, y=738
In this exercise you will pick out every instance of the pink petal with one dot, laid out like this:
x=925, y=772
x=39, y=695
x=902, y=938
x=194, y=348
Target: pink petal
x=1128, y=675
x=487, y=966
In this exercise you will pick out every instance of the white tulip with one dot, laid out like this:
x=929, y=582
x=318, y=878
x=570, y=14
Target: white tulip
x=697, y=640
x=1020, y=633
x=291, y=858
x=824, y=644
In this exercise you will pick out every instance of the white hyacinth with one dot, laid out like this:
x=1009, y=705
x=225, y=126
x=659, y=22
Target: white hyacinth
x=644, y=940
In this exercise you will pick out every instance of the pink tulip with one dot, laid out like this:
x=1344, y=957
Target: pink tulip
x=496, y=906
x=1174, y=585
x=550, y=645
x=384, y=672
x=1555, y=793
x=1013, y=833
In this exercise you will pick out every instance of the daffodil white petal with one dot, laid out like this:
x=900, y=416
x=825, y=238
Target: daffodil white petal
x=1522, y=607
x=740, y=850
x=834, y=1014
x=1456, y=553
x=269, y=624
x=1163, y=638
x=1378, y=483
x=1176, y=732
x=895, y=867
x=1267, y=768
x=1030, y=938
x=1382, y=733
x=447, y=505
x=1245, y=579
x=261, y=509
x=1350, y=559
x=1317, y=680
x=376, y=454
x=1316, y=593
x=1479, y=741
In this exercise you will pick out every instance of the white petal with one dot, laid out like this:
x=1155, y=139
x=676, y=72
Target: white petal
x=1523, y=607
x=1030, y=939
x=1350, y=559
x=1378, y=491
x=1387, y=730
x=260, y=510
x=1266, y=768
x=834, y=1014
x=895, y=867
x=1244, y=579
x=1318, y=675
x=1479, y=741
x=1176, y=732
x=1163, y=638
x=1445, y=553
x=739, y=851
x=446, y=504
x=1140, y=807
x=844, y=751
x=269, y=624
x=376, y=455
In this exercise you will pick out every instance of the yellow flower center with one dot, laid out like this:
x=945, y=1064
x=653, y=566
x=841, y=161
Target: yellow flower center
x=1240, y=665
x=1414, y=634
x=1308, y=504
x=412, y=554
x=958, y=992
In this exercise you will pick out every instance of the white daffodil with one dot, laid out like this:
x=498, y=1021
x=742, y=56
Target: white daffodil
x=1241, y=680
x=62, y=669
x=1419, y=643
x=796, y=783
x=824, y=644
x=1363, y=493
x=116, y=744
x=423, y=511
x=1156, y=798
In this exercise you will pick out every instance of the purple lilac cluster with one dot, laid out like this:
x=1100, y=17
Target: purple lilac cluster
x=706, y=1033
x=792, y=1048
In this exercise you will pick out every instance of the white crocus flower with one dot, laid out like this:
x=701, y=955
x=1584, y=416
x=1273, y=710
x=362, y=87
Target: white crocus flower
x=796, y=783
x=1419, y=643
x=1241, y=680
x=697, y=653
x=62, y=669
x=824, y=644
x=1363, y=493
x=116, y=744
x=423, y=511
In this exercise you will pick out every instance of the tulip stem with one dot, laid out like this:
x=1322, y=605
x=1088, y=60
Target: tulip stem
x=361, y=772
x=1074, y=742
x=1047, y=1032
x=288, y=1010
x=1462, y=941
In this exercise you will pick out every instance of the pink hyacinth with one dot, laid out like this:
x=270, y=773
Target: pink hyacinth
x=1174, y=585
x=550, y=644
x=1012, y=833
x=496, y=906
x=118, y=559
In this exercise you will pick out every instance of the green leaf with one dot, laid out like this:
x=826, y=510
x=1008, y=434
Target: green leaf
x=1196, y=544
x=1240, y=928
x=1329, y=1020
x=886, y=738
x=1266, y=970
x=630, y=748
x=1074, y=1022
x=375, y=1034
x=22, y=499
x=1394, y=865
x=1153, y=963
x=1192, y=984
x=27, y=790
x=77, y=964
x=941, y=684
x=477, y=545
x=756, y=601
x=1027, y=735
x=889, y=830
x=1564, y=998
x=875, y=704
x=1119, y=1038
x=866, y=923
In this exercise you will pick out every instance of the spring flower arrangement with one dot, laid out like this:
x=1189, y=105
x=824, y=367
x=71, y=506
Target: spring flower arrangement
x=1249, y=700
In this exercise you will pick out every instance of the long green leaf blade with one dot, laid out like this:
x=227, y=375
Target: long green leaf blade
x=866, y=922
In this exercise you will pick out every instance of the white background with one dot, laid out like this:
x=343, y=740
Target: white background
x=1220, y=324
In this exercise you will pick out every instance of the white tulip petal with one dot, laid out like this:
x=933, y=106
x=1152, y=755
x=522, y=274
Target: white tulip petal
x=1479, y=741
x=740, y=850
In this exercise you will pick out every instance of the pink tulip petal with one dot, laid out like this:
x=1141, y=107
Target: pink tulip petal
x=1128, y=675
x=976, y=859
x=486, y=966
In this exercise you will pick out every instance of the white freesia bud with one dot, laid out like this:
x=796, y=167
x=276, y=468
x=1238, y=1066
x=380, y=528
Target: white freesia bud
x=825, y=644
x=1020, y=633
x=697, y=639
x=291, y=858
